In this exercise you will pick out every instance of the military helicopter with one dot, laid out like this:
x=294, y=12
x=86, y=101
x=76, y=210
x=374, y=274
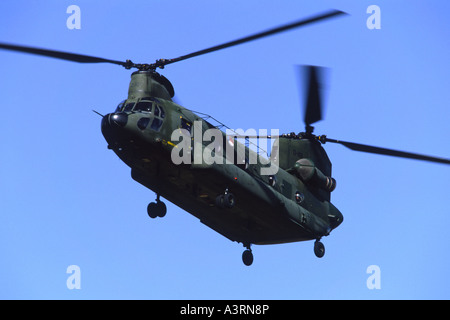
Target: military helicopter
x=234, y=197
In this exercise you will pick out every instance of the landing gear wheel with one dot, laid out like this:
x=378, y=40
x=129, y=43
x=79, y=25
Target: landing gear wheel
x=319, y=249
x=229, y=200
x=151, y=210
x=220, y=201
x=247, y=257
x=161, y=209
x=156, y=209
x=226, y=200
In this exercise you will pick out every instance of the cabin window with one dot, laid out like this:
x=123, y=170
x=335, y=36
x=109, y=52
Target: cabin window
x=156, y=124
x=143, y=123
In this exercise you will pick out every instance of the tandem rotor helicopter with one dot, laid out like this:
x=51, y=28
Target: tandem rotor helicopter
x=233, y=198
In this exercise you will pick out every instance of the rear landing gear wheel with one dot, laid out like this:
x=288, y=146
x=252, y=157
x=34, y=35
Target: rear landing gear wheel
x=247, y=255
x=151, y=210
x=161, y=209
x=319, y=249
x=156, y=209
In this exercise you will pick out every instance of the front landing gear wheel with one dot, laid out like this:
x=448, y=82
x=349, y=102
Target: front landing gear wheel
x=247, y=257
x=319, y=249
x=220, y=201
x=226, y=200
x=229, y=200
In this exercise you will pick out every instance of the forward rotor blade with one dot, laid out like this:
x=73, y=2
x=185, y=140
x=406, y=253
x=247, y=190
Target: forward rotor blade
x=296, y=24
x=385, y=151
x=59, y=54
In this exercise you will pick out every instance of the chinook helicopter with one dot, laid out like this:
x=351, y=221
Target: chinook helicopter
x=233, y=197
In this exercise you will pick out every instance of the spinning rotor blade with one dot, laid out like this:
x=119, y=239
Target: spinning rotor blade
x=60, y=54
x=384, y=151
x=161, y=63
x=313, y=109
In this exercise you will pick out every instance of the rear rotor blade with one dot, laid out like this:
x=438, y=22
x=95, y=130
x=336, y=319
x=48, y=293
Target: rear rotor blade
x=313, y=105
x=385, y=151
x=60, y=54
x=161, y=63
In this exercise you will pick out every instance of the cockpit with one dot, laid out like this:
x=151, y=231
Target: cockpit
x=153, y=113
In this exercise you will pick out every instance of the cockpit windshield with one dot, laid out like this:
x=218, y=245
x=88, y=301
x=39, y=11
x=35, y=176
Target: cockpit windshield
x=155, y=113
x=128, y=107
x=144, y=106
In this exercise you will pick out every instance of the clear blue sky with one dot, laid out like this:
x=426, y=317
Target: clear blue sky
x=67, y=200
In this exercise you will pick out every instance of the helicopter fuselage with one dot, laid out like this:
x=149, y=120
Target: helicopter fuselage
x=264, y=209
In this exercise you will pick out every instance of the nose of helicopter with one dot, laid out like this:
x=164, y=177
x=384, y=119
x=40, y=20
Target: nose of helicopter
x=120, y=119
x=113, y=121
x=112, y=125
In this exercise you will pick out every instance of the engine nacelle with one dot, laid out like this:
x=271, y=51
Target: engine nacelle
x=310, y=174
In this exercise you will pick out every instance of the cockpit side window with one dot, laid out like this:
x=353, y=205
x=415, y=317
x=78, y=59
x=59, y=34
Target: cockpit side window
x=120, y=106
x=156, y=124
x=158, y=120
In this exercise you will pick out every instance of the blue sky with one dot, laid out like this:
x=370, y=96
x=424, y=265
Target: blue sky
x=67, y=200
